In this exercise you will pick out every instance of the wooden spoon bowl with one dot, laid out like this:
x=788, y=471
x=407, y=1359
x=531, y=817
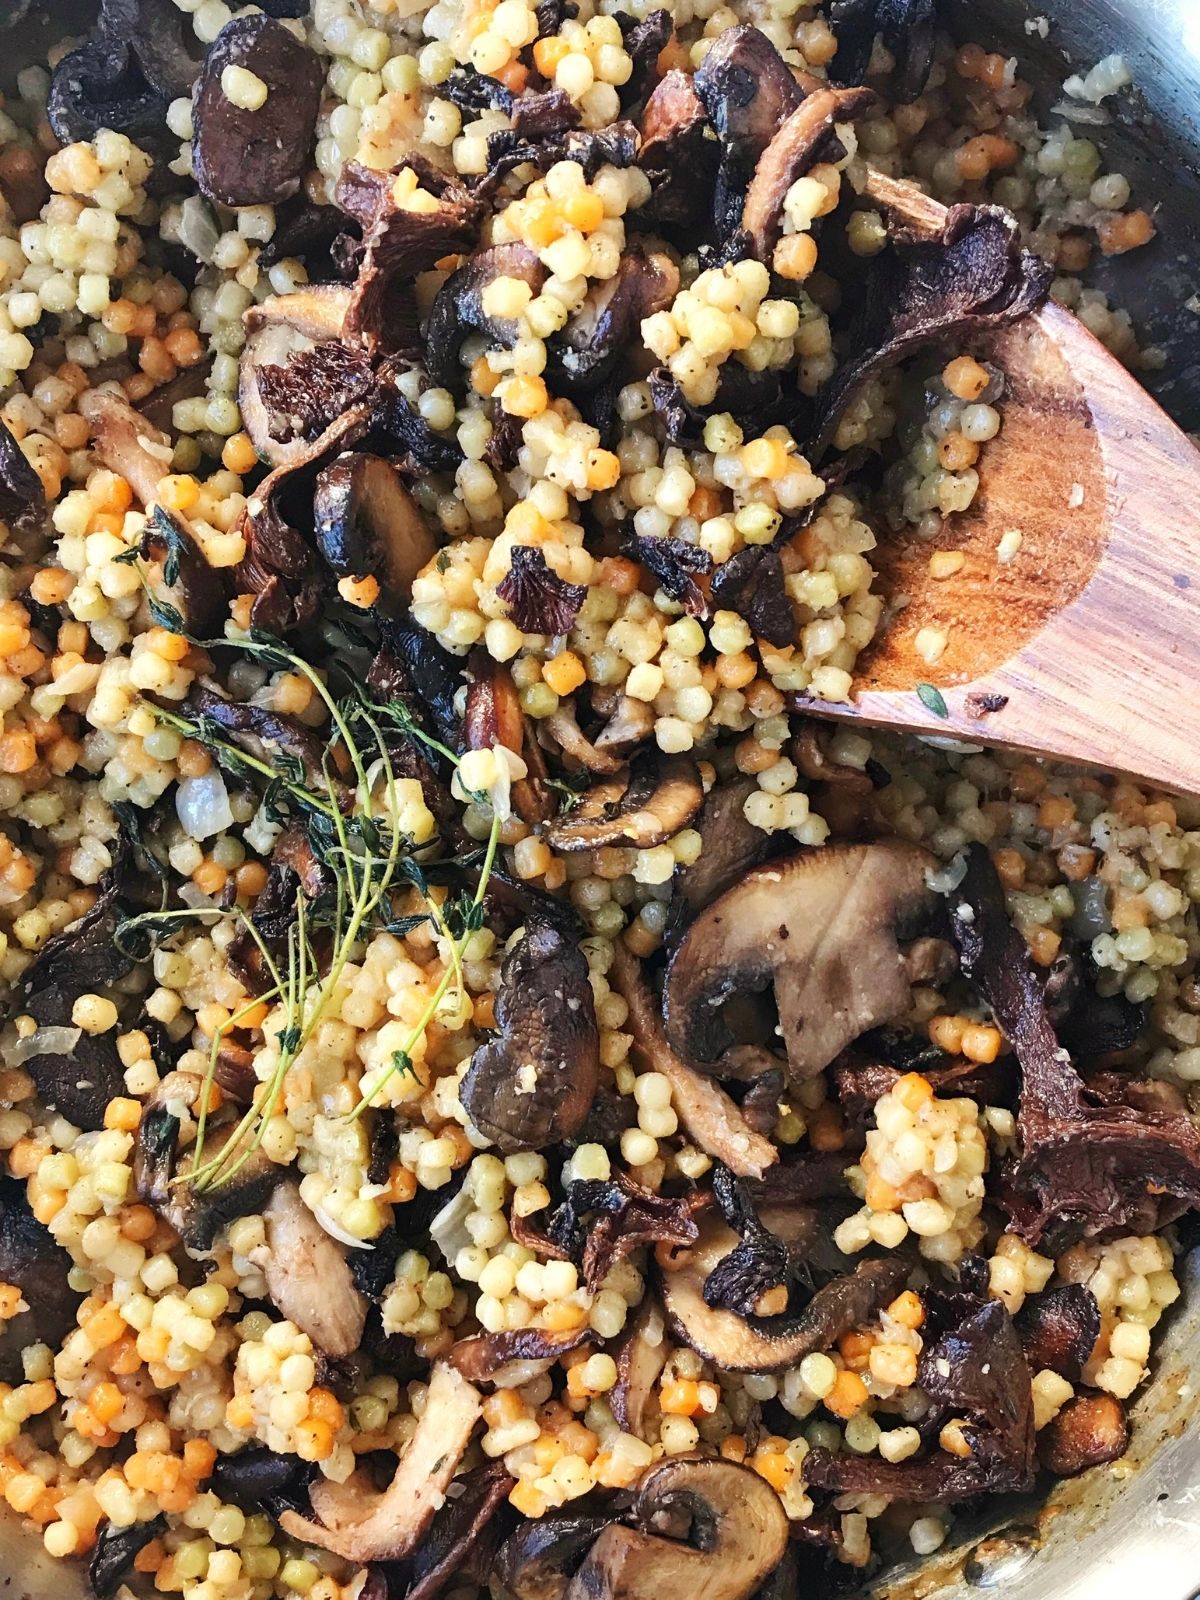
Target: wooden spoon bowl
x=1085, y=645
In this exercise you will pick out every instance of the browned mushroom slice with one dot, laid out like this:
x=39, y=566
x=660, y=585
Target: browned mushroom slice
x=34, y=1262
x=748, y=91
x=598, y=336
x=361, y=1526
x=629, y=724
x=20, y=487
x=1089, y=1430
x=649, y=807
x=674, y=154
x=706, y=1111
x=825, y=928
x=730, y=846
x=367, y=524
x=532, y=1086
x=308, y=1276
x=296, y=377
x=641, y=1356
x=567, y=734
x=458, y=308
x=770, y=1344
x=126, y=443
x=538, y=600
x=804, y=139
x=734, y=1517
x=483, y=1357
x=493, y=716
x=537, y=1559
x=256, y=157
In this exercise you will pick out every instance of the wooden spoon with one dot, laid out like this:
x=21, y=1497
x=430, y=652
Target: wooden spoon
x=1085, y=645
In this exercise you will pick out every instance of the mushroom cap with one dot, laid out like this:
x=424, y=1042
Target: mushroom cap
x=652, y=803
x=367, y=524
x=735, y=1520
x=824, y=928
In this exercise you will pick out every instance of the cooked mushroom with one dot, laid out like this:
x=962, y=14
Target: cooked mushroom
x=598, y=336
x=410, y=659
x=257, y=1477
x=730, y=846
x=33, y=1261
x=804, y=139
x=752, y=584
x=463, y=1536
x=907, y=30
x=308, y=1276
x=100, y=84
x=641, y=1356
x=675, y=563
x=674, y=154
x=458, y=308
x=126, y=443
x=825, y=928
x=198, y=588
x=1089, y=1430
x=708, y=1529
x=296, y=376
x=537, y=1559
x=367, y=524
x=629, y=724
x=483, y=1357
x=1059, y=1329
x=748, y=91
x=261, y=732
x=363, y=1526
x=770, y=1344
x=493, y=716
x=706, y=1111
x=563, y=728
x=252, y=158
x=115, y=1551
x=538, y=600
x=652, y=804
x=20, y=487
x=533, y=1085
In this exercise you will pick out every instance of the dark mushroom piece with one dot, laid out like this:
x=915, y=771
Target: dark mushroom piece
x=752, y=584
x=770, y=1344
x=115, y=1551
x=705, y=1528
x=674, y=153
x=386, y=1526
x=1059, y=1329
x=532, y=1086
x=598, y=337
x=538, y=600
x=255, y=157
x=126, y=443
x=651, y=805
x=675, y=564
x=731, y=846
x=308, y=1276
x=748, y=91
x=804, y=139
x=100, y=84
x=260, y=731
x=537, y=1560
x=33, y=1261
x=368, y=525
x=629, y=724
x=483, y=1357
x=256, y=1477
x=160, y=39
x=907, y=30
x=463, y=1536
x=706, y=1111
x=411, y=661
x=458, y=308
x=198, y=588
x=825, y=929
x=1089, y=1430
x=20, y=487
x=563, y=728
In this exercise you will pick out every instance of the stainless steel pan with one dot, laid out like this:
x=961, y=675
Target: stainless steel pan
x=1109, y=1535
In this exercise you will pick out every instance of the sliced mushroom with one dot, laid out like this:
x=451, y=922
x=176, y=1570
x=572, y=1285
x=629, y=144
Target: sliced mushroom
x=386, y=1526
x=33, y=1261
x=706, y=1111
x=598, y=337
x=493, y=716
x=649, y=806
x=250, y=158
x=734, y=1520
x=282, y=399
x=629, y=724
x=20, y=487
x=126, y=443
x=484, y=1357
x=674, y=153
x=262, y=732
x=769, y=1344
x=458, y=308
x=367, y=524
x=308, y=1276
x=101, y=85
x=463, y=1536
x=641, y=1356
x=804, y=139
x=748, y=91
x=538, y=600
x=907, y=30
x=537, y=1559
x=825, y=928
x=563, y=728
x=533, y=1085
x=114, y=1554
x=730, y=847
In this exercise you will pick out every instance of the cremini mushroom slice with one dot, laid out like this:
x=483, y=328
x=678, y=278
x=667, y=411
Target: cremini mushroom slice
x=825, y=928
x=538, y=1558
x=706, y=1111
x=770, y=1344
x=308, y=1276
x=126, y=443
x=33, y=1261
x=458, y=309
x=362, y=1526
x=656, y=802
x=493, y=716
x=368, y=525
x=730, y=847
x=641, y=1355
x=805, y=138
x=736, y=1519
x=564, y=729
x=533, y=1085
